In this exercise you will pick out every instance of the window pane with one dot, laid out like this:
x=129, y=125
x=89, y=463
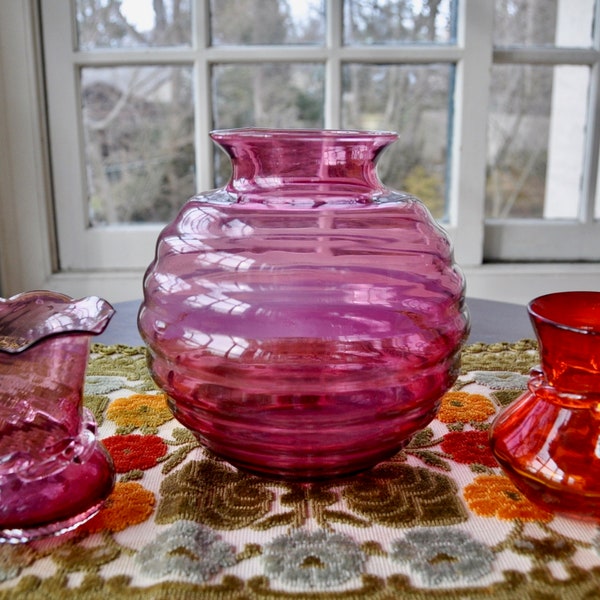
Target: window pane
x=543, y=22
x=267, y=95
x=414, y=101
x=133, y=23
x=247, y=22
x=138, y=128
x=399, y=21
x=535, y=141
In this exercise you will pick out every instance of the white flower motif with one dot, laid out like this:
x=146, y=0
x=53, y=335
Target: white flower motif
x=187, y=549
x=441, y=556
x=100, y=385
x=313, y=560
x=501, y=380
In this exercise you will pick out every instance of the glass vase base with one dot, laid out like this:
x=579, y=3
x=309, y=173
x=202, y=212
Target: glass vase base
x=55, y=504
x=555, y=500
x=297, y=451
x=300, y=469
x=23, y=536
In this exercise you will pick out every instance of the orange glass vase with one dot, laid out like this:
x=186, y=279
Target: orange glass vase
x=548, y=441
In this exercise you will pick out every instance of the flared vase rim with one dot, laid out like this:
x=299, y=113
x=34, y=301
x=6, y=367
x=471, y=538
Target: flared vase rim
x=538, y=315
x=21, y=326
x=304, y=133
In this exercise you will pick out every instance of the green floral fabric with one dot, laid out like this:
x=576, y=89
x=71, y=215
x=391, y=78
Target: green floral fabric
x=438, y=520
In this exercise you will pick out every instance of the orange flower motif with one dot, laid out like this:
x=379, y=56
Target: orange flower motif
x=129, y=504
x=140, y=410
x=465, y=407
x=496, y=496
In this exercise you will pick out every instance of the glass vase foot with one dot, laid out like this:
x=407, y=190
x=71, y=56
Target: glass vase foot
x=53, y=503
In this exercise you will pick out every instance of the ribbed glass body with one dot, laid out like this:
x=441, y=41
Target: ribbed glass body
x=304, y=320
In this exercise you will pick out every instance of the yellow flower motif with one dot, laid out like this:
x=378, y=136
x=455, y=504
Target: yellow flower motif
x=496, y=496
x=465, y=407
x=146, y=411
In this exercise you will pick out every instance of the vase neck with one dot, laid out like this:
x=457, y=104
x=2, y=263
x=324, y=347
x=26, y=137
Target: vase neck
x=267, y=160
x=567, y=326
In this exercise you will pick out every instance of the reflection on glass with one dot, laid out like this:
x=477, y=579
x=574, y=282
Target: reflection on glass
x=543, y=22
x=133, y=23
x=138, y=127
x=412, y=100
x=275, y=95
x=535, y=141
x=248, y=22
x=399, y=21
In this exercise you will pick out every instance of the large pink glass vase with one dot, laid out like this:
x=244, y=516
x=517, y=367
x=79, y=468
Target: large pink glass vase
x=548, y=440
x=304, y=320
x=54, y=473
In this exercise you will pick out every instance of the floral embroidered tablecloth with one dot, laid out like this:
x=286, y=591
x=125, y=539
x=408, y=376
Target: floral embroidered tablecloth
x=439, y=520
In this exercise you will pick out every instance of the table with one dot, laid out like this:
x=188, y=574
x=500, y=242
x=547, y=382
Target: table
x=439, y=520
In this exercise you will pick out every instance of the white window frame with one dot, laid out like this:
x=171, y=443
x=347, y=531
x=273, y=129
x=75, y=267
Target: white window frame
x=28, y=249
x=565, y=240
x=129, y=246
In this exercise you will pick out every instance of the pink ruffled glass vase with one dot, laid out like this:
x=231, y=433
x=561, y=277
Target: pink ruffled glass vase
x=548, y=440
x=304, y=320
x=54, y=473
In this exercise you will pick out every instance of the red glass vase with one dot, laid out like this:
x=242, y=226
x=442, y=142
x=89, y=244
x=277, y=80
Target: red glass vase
x=548, y=441
x=304, y=320
x=54, y=473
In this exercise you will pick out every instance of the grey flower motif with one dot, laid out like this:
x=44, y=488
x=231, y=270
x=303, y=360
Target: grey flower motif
x=187, y=549
x=441, y=556
x=13, y=559
x=100, y=385
x=501, y=380
x=313, y=560
x=9, y=572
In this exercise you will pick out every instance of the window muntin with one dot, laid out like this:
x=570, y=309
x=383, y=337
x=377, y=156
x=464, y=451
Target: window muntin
x=138, y=121
x=469, y=59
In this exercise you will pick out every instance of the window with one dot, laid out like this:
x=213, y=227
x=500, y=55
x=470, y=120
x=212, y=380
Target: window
x=135, y=100
x=497, y=103
x=543, y=133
